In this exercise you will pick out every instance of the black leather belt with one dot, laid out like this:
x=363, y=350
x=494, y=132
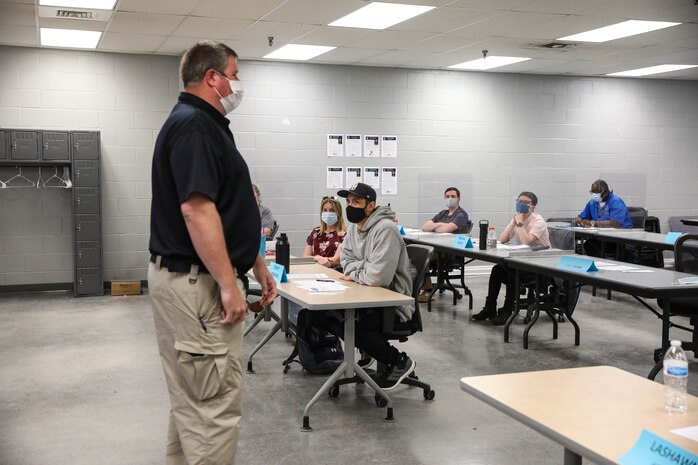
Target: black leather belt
x=175, y=265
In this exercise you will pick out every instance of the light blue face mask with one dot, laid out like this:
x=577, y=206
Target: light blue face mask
x=329, y=218
x=522, y=207
x=596, y=197
x=451, y=202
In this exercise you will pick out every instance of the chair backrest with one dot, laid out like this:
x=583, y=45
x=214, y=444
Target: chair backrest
x=560, y=220
x=468, y=227
x=561, y=238
x=274, y=230
x=638, y=215
x=676, y=225
x=686, y=253
x=419, y=255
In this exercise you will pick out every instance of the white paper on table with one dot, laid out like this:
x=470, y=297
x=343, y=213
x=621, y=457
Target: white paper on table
x=389, y=147
x=307, y=276
x=353, y=145
x=688, y=280
x=372, y=147
x=389, y=181
x=624, y=268
x=335, y=177
x=598, y=264
x=372, y=176
x=510, y=247
x=411, y=230
x=690, y=432
x=638, y=270
x=335, y=145
x=353, y=175
x=320, y=286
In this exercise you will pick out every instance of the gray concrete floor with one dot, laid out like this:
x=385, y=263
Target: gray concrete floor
x=81, y=383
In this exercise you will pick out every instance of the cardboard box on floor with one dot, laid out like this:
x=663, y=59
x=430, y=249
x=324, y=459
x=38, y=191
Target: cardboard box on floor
x=126, y=288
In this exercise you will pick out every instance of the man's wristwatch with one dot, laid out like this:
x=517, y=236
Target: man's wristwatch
x=593, y=223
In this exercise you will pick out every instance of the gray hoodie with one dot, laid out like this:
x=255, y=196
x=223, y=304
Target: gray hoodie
x=376, y=256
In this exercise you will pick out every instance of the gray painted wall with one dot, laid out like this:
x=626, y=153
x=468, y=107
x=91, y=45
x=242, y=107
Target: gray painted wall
x=490, y=134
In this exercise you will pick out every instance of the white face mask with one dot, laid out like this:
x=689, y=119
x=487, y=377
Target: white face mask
x=329, y=218
x=232, y=101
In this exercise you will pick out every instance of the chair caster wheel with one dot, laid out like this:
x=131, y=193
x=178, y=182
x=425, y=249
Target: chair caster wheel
x=527, y=320
x=286, y=368
x=430, y=394
x=561, y=318
x=333, y=392
x=380, y=401
x=657, y=355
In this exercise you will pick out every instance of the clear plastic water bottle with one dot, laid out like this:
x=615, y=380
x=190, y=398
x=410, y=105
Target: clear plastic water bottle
x=491, y=238
x=675, y=379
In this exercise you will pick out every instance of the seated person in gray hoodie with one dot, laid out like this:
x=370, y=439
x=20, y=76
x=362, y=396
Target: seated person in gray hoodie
x=374, y=254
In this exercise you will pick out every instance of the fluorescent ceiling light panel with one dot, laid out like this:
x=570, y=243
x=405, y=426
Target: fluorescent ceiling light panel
x=299, y=52
x=488, y=63
x=652, y=70
x=69, y=38
x=90, y=4
x=616, y=31
x=378, y=15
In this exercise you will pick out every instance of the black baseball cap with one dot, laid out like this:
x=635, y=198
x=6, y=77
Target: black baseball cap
x=361, y=190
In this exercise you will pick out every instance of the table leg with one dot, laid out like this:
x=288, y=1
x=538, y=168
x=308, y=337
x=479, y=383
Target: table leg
x=272, y=331
x=267, y=315
x=571, y=458
x=347, y=369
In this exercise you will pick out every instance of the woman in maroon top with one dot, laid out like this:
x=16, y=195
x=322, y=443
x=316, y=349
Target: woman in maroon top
x=323, y=241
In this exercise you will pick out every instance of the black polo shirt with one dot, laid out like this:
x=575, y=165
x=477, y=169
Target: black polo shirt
x=195, y=152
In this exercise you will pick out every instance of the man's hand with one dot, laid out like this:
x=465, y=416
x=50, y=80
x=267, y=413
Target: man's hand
x=518, y=218
x=234, y=305
x=346, y=277
x=265, y=280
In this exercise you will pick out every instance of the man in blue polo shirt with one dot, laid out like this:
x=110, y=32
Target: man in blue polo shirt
x=604, y=210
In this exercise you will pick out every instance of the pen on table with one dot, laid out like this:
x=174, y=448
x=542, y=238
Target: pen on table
x=325, y=280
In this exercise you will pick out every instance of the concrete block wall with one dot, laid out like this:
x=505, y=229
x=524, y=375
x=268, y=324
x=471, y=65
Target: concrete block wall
x=490, y=134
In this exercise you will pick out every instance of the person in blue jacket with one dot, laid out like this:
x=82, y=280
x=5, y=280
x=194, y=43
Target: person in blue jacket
x=604, y=210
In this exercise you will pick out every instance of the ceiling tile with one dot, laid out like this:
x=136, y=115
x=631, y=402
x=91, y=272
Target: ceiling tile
x=19, y=35
x=249, y=49
x=176, y=45
x=117, y=41
x=318, y=12
x=72, y=24
x=560, y=6
x=440, y=43
x=665, y=10
x=237, y=9
x=347, y=55
x=388, y=40
x=444, y=19
x=510, y=24
x=282, y=32
x=336, y=36
x=173, y=7
x=212, y=28
x=503, y=5
x=140, y=22
x=17, y=14
x=394, y=58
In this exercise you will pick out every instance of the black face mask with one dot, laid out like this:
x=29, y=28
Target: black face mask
x=354, y=214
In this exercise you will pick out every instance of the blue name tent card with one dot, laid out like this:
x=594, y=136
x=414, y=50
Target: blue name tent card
x=650, y=449
x=463, y=242
x=573, y=263
x=278, y=272
x=401, y=229
x=671, y=237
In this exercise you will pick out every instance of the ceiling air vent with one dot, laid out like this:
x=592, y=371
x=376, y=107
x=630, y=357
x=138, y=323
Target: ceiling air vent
x=554, y=45
x=68, y=14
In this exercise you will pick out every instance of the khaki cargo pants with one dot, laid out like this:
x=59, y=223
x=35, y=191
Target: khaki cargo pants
x=203, y=367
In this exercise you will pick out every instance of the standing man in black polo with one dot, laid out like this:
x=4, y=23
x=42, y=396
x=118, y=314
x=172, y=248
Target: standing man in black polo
x=204, y=238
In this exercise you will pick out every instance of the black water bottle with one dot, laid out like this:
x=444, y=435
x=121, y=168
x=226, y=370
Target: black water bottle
x=283, y=252
x=484, y=227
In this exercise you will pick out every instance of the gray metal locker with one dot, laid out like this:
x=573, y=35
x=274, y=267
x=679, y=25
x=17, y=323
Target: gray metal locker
x=87, y=228
x=24, y=145
x=4, y=145
x=86, y=200
x=88, y=281
x=55, y=146
x=88, y=254
x=85, y=145
x=86, y=173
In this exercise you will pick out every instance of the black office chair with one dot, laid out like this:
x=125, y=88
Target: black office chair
x=449, y=267
x=686, y=261
x=398, y=330
x=274, y=230
x=675, y=224
x=638, y=215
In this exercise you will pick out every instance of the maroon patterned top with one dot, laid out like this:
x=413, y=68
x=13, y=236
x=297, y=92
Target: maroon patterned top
x=325, y=244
